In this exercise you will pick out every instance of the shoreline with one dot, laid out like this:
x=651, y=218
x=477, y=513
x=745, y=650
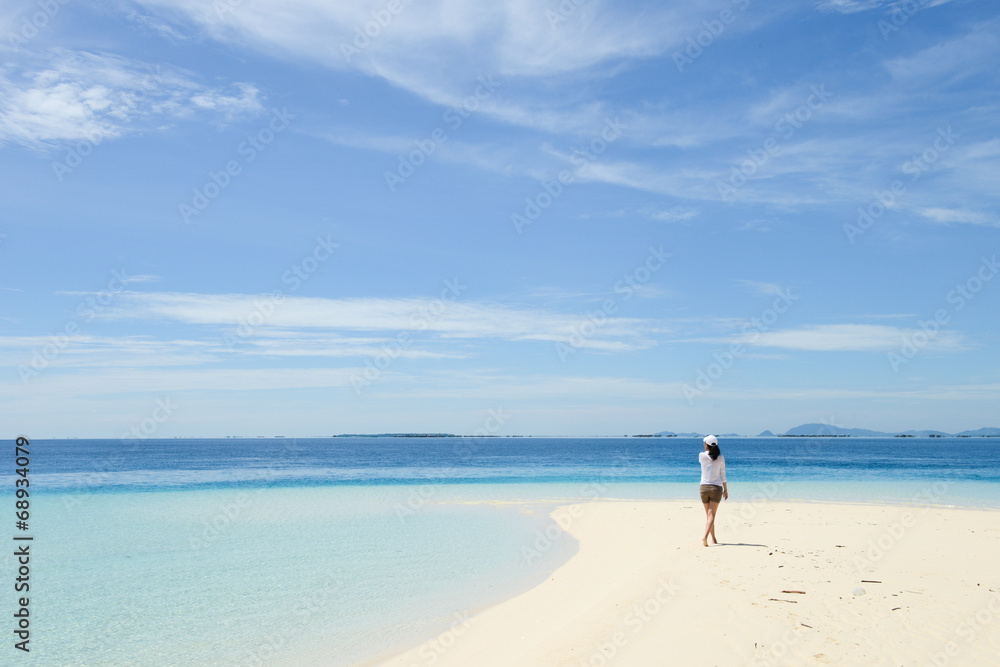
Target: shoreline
x=641, y=587
x=514, y=493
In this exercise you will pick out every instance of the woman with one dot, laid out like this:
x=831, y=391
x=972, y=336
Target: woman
x=713, y=484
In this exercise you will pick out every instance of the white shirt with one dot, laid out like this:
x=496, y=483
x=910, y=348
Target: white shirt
x=712, y=472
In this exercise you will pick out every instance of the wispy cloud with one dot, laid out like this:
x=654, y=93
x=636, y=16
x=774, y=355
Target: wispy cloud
x=851, y=6
x=76, y=95
x=757, y=287
x=149, y=23
x=517, y=37
x=672, y=214
x=438, y=49
x=937, y=392
x=952, y=215
x=165, y=381
x=457, y=319
x=959, y=57
x=850, y=338
x=855, y=6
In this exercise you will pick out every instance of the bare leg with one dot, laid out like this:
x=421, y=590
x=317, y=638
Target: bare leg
x=704, y=540
x=710, y=510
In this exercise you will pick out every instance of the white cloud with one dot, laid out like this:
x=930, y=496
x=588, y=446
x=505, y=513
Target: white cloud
x=150, y=23
x=454, y=319
x=73, y=96
x=104, y=351
x=850, y=338
x=88, y=351
x=672, y=214
x=245, y=101
x=969, y=392
x=755, y=225
x=855, y=6
x=356, y=138
x=333, y=346
x=960, y=57
x=766, y=289
x=851, y=6
x=438, y=49
x=513, y=36
x=166, y=381
x=122, y=278
x=953, y=215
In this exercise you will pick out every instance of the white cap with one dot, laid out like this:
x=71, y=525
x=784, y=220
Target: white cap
x=711, y=440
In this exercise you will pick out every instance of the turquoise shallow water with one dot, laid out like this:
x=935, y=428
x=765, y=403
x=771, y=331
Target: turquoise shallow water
x=938, y=492
x=264, y=576
x=233, y=552
x=258, y=577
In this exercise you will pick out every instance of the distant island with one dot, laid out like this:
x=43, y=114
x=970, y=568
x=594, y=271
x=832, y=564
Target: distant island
x=396, y=435
x=831, y=431
x=803, y=431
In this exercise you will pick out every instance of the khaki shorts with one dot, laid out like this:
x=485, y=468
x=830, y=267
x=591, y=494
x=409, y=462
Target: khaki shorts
x=711, y=492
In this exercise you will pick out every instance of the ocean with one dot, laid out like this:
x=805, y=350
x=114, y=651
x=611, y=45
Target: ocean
x=270, y=551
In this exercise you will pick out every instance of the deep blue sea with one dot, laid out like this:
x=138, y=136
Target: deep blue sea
x=333, y=551
x=113, y=465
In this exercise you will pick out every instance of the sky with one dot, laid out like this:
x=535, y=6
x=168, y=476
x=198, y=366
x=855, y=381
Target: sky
x=308, y=217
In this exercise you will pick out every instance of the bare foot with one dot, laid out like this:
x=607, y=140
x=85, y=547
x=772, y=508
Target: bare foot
x=714, y=541
x=704, y=543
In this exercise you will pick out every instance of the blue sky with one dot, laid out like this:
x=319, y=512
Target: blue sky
x=301, y=217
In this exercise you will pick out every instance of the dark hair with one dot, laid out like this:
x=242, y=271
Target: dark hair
x=713, y=451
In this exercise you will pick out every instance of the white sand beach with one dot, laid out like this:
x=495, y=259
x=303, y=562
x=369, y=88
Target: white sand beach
x=783, y=587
